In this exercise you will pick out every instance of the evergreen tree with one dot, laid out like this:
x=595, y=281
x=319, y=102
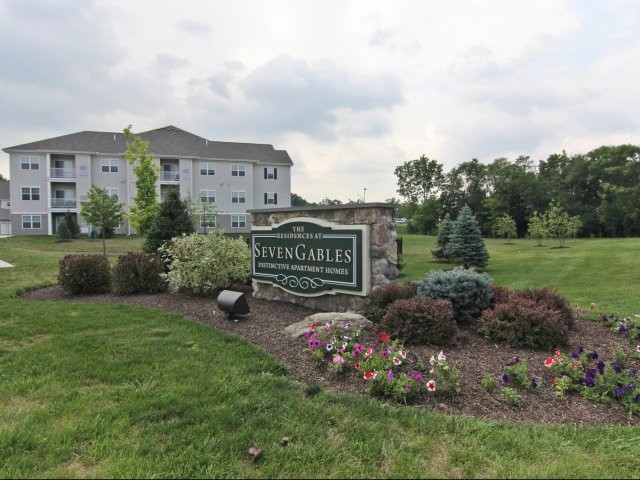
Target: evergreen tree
x=72, y=225
x=63, y=231
x=444, y=234
x=466, y=244
x=172, y=220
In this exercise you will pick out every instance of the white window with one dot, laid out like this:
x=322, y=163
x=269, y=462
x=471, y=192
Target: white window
x=208, y=196
x=207, y=169
x=270, y=173
x=270, y=198
x=28, y=162
x=110, y=165
x=238, y=221
x=113, y=193
x=238, y=197
x=30, y=193
x=208, y=220
x=238, y=170
x=31, y=221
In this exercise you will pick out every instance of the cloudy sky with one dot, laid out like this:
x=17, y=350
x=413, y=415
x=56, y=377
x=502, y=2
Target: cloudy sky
x=350, y=89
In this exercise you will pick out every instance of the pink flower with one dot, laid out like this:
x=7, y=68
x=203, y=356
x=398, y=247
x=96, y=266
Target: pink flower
x=557, y=353
x=390, y=375
x=549, y=361
x=397, y=361
x=431, y=385
x=338, y=360
x=313, y=326
x=403, y=353
x=357, y=365
x=369, y=352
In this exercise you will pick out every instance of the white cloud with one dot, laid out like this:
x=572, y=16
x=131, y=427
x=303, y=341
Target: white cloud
x=350, y=88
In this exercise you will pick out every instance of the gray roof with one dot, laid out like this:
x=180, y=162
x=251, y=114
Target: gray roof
x=167, y=141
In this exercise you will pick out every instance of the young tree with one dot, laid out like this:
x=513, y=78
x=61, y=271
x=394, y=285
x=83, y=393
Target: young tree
x=172, y=220
x=466, y=244
x=505, y=226
x=444, y=234
x=558, y=223
x=72, y=225
x=101, y=210
x=538, y=228
x=145, y=204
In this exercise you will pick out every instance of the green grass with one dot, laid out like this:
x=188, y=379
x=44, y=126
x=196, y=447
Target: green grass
x=600, y=271
x=118, y=391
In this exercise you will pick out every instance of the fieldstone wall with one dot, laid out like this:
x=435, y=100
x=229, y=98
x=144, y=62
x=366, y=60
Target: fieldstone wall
x=382, y=250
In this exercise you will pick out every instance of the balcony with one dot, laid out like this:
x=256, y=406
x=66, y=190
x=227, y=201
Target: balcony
x=63, y=203
x=169, y=176
x=63, y=173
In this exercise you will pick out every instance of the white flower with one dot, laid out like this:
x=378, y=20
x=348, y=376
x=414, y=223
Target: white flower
x=329, y=347
x=433, y=360
x=638, y=349
x=431, y=385
x=441, y=356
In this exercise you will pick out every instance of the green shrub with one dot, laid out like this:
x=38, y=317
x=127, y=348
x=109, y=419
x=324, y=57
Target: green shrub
x=468, y=291
x=420, y=320
x=138, y=273
x=72, y=225
x=381, y=298
x=522, y=322
x=84, y=274
x=552, y=300
x=204, y=264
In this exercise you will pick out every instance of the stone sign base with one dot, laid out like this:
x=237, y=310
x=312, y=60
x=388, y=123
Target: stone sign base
x=383, y=256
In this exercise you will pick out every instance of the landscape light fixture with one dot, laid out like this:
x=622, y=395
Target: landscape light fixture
x=232, y=304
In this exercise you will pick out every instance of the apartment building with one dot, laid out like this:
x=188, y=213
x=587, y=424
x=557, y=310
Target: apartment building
x=5, y=212
x=51, y=177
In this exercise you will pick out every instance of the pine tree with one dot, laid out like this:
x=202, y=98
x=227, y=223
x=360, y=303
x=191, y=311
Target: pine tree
x=72, y=225
x=172, y=220
x=444, y=233
x=466, y=244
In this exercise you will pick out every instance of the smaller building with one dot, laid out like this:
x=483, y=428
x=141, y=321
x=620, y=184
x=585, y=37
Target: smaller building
x=5, y=210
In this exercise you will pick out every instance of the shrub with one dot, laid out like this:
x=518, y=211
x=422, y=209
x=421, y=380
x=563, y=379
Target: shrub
x=499, y=294
x=552, y=300
x=469, y=291
x=138, y=273
x=522, y=322
x=204, y=264
x=381, y=298
x=420, y=320
x=84, y=274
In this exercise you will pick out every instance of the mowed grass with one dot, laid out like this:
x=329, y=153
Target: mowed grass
x=90, y=390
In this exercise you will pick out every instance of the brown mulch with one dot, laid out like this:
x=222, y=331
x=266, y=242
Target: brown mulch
x=471, y=354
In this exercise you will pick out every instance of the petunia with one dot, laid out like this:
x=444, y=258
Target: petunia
x=403, y=353
x=534, y=384
x=558, y=353
x=384, y=336
x=368, y=375
x=431, y=385
x=329, y=347
x=616, y=367
x=505, y=379
x=441, y=356
x=549, y=361
x=356, y=365
x=314, y=326
x=638, y=349
x=553, y=380
x=594, y=355
x=357, y=347
x=389, y=375
x=397, y=361
x=619, y=391
x=368, y=352
x=417, y=377
x=432, y=361
x=338, y=360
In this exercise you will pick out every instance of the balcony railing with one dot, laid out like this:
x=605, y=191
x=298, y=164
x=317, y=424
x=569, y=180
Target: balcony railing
x=169, y=177
x=63, y=203
x=63, y=173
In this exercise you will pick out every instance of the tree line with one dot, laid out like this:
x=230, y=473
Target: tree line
x=599, y=189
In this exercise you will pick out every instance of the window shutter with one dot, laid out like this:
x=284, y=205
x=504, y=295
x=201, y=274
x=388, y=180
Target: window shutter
x=275, y=198
x=265, y=173
x=275, y=173
x=265, y=198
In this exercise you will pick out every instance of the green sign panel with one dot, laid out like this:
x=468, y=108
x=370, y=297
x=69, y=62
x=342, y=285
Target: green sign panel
x=309, y=258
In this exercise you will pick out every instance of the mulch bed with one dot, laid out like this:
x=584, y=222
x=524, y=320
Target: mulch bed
x=471, y=354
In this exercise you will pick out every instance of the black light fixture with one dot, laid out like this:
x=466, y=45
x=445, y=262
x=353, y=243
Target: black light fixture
x=232, y=303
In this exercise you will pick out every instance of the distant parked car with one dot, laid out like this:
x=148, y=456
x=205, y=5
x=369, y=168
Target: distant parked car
x=401, y=220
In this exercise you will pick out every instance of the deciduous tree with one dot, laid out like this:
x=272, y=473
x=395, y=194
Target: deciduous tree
x=101, y=210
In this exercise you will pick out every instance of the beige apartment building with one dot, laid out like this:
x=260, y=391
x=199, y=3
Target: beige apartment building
x=51, y=177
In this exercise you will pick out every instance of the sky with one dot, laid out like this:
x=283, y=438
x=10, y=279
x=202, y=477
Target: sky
x=351, y=89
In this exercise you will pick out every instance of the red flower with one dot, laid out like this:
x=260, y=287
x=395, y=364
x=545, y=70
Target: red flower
x=384, y=336
x=368, y=375
x=553, y=380
x=357, y=365
x=313, y=326
x=549, y=361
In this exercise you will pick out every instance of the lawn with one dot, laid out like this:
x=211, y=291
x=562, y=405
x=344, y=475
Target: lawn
x=120, y=391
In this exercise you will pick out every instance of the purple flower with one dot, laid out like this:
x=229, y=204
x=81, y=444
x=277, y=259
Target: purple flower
x=418, y=377
x=515, y=361
x=633, y=373
x=357, y=348
x=630, y=387
x=616, y=367
x=619, y=391
x=390, y=375
x=534, y=384
x=594, y=355
x=601, y=367
x=505, y=379
x=637, y=399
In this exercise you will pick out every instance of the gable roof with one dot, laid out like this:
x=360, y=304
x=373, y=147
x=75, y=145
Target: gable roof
x=167, y=141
